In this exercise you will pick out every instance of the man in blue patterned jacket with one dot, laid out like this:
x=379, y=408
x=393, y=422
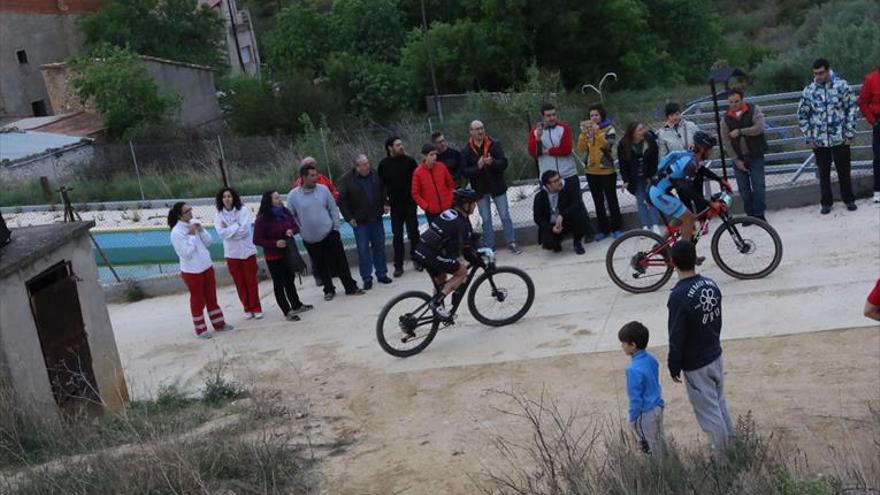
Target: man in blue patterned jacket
x=827, y=116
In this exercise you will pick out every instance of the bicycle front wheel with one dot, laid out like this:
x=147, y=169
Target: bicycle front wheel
x=747, y=248
x=637, y=262
x=501, y=297
x=406, y=324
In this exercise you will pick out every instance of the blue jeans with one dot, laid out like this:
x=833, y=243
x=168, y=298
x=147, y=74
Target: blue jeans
x=485, y=207
x=752, y=187
x=648, y=215
x=370, y=239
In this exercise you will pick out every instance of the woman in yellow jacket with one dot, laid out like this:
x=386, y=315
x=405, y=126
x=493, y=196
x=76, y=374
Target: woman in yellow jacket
x=595, y=143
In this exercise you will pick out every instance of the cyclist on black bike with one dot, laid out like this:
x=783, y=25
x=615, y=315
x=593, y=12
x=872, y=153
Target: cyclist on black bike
x=440, y=247
x=679, y=170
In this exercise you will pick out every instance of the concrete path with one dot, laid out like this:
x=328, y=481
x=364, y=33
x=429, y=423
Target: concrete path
x=830, y=264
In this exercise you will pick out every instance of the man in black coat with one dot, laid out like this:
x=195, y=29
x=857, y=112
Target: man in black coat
x=451, y=157
x=362, y=203
x=484, y=165
x=396, y=171
x=558, y=214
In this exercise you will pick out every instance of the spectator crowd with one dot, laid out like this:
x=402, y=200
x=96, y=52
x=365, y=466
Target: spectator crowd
x=400, y=186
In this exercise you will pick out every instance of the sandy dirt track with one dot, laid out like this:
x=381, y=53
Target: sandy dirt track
x=419, y=425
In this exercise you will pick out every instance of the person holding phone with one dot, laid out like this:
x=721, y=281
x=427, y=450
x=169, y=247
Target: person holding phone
x=550, y=143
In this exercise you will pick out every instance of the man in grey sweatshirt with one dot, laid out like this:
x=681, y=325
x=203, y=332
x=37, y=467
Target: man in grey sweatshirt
x=317, y=215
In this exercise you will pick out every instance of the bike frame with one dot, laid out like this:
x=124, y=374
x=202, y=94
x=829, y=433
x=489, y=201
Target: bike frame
x=716, y=209
x=457, y=295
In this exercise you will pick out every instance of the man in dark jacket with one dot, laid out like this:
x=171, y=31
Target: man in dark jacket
x=742, y=134
x=451, y=157
x=396, y=172
x=484, y=166
x=362, y=203
x=558, y=213
x=695, y=345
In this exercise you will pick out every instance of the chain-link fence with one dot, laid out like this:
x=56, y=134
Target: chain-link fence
x=146, y=177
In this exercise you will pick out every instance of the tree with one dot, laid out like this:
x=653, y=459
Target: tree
x=173, y=29
x=373, y=89
x=468, y=56
x=122, y=90
x=302, y=40
x=370, y=27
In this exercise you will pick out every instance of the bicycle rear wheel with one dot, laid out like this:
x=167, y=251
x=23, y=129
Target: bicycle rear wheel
x=747, y=248
x=635, y=265
x=501, y=297
x=406, y=324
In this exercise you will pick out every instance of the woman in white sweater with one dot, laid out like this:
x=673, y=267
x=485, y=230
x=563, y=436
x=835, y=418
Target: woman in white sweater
x=191, y=241
x=233, y=224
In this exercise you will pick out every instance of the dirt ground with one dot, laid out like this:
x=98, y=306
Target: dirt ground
x=429, y=431
x=798, y=353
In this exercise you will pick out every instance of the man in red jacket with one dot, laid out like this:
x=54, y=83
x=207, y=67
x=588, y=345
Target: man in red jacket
x=869, y=103
x=432, y=186
x=322, y=179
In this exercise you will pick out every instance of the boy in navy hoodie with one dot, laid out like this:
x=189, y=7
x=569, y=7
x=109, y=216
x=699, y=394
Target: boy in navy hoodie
x=643, y=389
x=695, y=345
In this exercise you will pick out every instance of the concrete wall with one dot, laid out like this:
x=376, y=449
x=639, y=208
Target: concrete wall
x=194, y=85
x=46, y=38
x=55, y=166
x=20, y=343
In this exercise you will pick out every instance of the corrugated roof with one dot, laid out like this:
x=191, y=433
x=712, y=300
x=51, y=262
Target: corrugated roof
x=17, y=145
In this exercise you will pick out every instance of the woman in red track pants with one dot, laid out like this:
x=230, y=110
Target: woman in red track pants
x=233, y=225
x=191, y=243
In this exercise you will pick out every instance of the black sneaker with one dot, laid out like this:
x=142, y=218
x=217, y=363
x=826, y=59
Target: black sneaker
x=368, y=285
x=384, y=279
x=356, y=292
x=852, y=206
x=328, y=296
x=825, y=210
x=579, y=249
x=398, y=272
x=302, y=309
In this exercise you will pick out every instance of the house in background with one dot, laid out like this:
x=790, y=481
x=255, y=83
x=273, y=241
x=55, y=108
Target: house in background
x=33, y=33
x=241, y=39
x=194, y=83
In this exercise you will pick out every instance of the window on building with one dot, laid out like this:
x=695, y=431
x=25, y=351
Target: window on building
x=21, y=55
x=247, y=55
x=39, y=108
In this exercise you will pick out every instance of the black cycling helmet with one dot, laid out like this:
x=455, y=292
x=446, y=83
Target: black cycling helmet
x=704, y=139
x=464, y=195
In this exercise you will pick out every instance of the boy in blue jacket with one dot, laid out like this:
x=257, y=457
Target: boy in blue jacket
x=643, y=389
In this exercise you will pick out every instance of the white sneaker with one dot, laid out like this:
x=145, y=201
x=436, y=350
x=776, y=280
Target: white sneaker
x=257, y=315
x=659, y=230
x=248, y=316
x=877, y=196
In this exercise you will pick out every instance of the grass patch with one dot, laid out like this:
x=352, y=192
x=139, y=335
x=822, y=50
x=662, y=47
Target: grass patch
x=560, y=457
x=226, y=440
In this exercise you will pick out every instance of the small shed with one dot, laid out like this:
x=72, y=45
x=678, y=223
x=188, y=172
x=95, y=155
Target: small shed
x=57, y=348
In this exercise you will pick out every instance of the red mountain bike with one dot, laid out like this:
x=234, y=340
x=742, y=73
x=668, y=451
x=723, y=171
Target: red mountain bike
x=743, y=247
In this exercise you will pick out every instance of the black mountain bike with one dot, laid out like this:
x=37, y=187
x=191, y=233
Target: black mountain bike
x=498, y=296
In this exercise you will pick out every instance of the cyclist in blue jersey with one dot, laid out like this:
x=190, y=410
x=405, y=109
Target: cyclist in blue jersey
x=449, y=236
x=678, y=170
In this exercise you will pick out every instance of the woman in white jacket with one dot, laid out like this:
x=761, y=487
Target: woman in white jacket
x=233, y=224
x=191, y=241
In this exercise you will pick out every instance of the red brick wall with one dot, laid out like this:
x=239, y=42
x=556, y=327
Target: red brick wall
x=50, y=6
